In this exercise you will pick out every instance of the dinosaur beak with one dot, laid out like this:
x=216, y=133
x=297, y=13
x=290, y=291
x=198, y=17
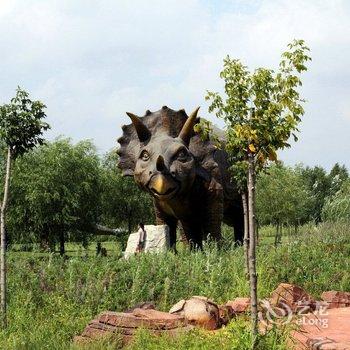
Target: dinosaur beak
x=161, y=185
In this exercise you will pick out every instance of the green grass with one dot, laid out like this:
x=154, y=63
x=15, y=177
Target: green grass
x=51, y=299
x=72, y=249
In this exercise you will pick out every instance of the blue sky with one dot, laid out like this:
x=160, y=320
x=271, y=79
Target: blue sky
x=90, y=61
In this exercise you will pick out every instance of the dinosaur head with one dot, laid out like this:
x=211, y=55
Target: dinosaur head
x=163, y=164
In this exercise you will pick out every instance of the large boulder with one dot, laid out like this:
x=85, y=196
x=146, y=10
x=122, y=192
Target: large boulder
x=198, y=311
x=157, y=240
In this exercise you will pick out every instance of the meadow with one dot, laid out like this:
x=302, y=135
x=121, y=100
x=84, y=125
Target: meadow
x=52, y=298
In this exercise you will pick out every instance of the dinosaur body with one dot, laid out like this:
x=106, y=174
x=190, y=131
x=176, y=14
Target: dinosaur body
x=187, y=177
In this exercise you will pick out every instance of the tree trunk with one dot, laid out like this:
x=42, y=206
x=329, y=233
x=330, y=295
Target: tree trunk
x=280, y=235
x=246, y=233
x=44, y=245
x=277, y=234
x=252, y=249
x=62, y=241
x=44, y=241
x=3, y=240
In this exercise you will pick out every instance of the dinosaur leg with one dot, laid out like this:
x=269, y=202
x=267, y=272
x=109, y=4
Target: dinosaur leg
x=193, y=233
x=213, y=219
x=213, y=212
x=172, y=232
x=183, y=237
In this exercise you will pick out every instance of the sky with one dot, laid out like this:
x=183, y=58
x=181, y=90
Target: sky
x=91, y=61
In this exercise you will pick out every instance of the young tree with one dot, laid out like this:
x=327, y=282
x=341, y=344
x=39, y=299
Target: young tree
x=261, y=111
x=21, y=129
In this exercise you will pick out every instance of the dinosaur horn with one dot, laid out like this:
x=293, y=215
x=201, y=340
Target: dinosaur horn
x=187, y=129
x=141, y=129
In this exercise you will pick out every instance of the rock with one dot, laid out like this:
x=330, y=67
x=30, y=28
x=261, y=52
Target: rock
x=199, y=311
x=157, y=240
x=239, y=305
x=226, y=314
x=178, y=306
x=327, y=331
x=126, y=324
x=292, y=298
x=131, y=246
x=336, y=299
x=150, y=319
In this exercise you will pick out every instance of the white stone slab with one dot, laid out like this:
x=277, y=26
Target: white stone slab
x=157, y=240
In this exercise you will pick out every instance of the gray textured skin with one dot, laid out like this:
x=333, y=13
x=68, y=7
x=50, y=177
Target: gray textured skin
x=196, y=190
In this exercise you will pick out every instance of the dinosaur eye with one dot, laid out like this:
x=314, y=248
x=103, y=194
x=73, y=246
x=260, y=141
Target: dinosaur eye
x=144, y=156
x=182, y=155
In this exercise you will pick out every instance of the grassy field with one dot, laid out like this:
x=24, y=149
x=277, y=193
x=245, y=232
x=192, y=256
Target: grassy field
x=51, y=299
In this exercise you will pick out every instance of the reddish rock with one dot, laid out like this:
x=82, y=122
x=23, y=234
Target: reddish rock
x=199, y=311
x=226, y=314
x=151, y=319
x=239, y=305
x=292, y=298
x=336, y=299
x=126, y=324
x=329, y=330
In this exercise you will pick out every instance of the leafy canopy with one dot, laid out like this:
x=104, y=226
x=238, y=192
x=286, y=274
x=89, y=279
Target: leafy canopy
x=21, y=123
x=319, y=184
x=55, y=188
x=282, y=196
x=261, y=109
x=338, y=175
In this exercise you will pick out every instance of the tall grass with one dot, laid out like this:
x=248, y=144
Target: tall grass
x=51, y=299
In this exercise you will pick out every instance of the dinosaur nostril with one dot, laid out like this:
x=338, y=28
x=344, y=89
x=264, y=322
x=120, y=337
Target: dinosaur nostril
x=160, y=163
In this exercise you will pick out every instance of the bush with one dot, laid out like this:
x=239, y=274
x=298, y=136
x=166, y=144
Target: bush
x=337, y=207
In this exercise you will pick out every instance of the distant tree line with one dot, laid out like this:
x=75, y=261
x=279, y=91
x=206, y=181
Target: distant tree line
x=294, y=196
x=63, y=191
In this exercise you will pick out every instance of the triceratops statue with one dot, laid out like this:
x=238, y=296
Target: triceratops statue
x=187, y=177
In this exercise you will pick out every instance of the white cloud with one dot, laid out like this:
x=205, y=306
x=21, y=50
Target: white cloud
x=92, y=61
